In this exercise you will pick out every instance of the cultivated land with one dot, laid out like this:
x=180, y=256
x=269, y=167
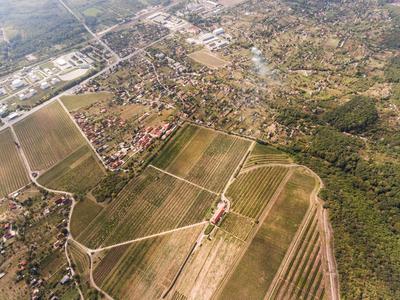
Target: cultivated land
x=207, y=267
x=144, y=269
x=260, y=262
x=253, y=189
x=203, y=156
x=81, y=261
x=67, y=175
x=47, y=136
x=208, y=59
x=13, y=174
x=84, y=213
x=264, y=154
x=75, y=102
x=141, y=242
x=303, y=275
x=151, y=203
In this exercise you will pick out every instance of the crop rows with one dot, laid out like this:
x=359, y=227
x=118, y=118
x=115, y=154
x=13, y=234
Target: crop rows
x=147, y=267
x=80, y=259
x=13, y=174
x=48, y=136
x=265, y=159
x=203, y=156
x=237, y=225
x=252, y=190
x=152, y=203
x=303, y=278
x=218, y=162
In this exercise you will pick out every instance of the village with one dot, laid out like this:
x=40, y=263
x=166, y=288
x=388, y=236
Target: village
x=35, y=258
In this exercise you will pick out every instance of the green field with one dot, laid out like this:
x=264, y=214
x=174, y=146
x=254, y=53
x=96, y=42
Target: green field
x=77, y=173
x=252, y=190
x=13, y=174
x=257, y=268
x=151, y=203
x=48, y=136
x=203, y=156
x=84, y=212
x=145, y=269
x=75, y=102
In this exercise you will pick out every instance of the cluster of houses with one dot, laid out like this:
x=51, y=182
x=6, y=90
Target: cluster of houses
x=8, y=232
x=145, y=138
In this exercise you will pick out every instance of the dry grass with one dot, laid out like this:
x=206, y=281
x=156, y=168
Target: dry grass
x=208, y=59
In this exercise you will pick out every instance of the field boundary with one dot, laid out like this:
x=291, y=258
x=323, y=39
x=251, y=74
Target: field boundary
x=183, y=179
x=146, y=237
x=252, y=233
x=82, y=133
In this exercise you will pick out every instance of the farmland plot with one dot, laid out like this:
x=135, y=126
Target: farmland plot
x=208, y=59
x=303, y=276
x=75, y=102
x=207, y=267
x=84, y=212
x=144, y=269
x=78, y=173
x=264, y=155
x=264, y=256
x=48, y=136
x=203, y=156
x=13, y=174
x=152, y=203
x=252, y=190
x=82, y=266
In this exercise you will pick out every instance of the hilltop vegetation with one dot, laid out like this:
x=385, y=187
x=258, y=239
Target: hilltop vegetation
x=355, y=115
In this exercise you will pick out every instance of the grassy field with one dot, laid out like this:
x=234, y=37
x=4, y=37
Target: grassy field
x=145, y=269
x=75, y=102
x=84, y=212
x=13, y=174
x=151, y=203
x=208, y=59
x=257, y=268
x=264, y=154
x=303, y=277
x=203, y=156
x=207, y=267
x=77, y=173
x=48, y=136
x=252, y=190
